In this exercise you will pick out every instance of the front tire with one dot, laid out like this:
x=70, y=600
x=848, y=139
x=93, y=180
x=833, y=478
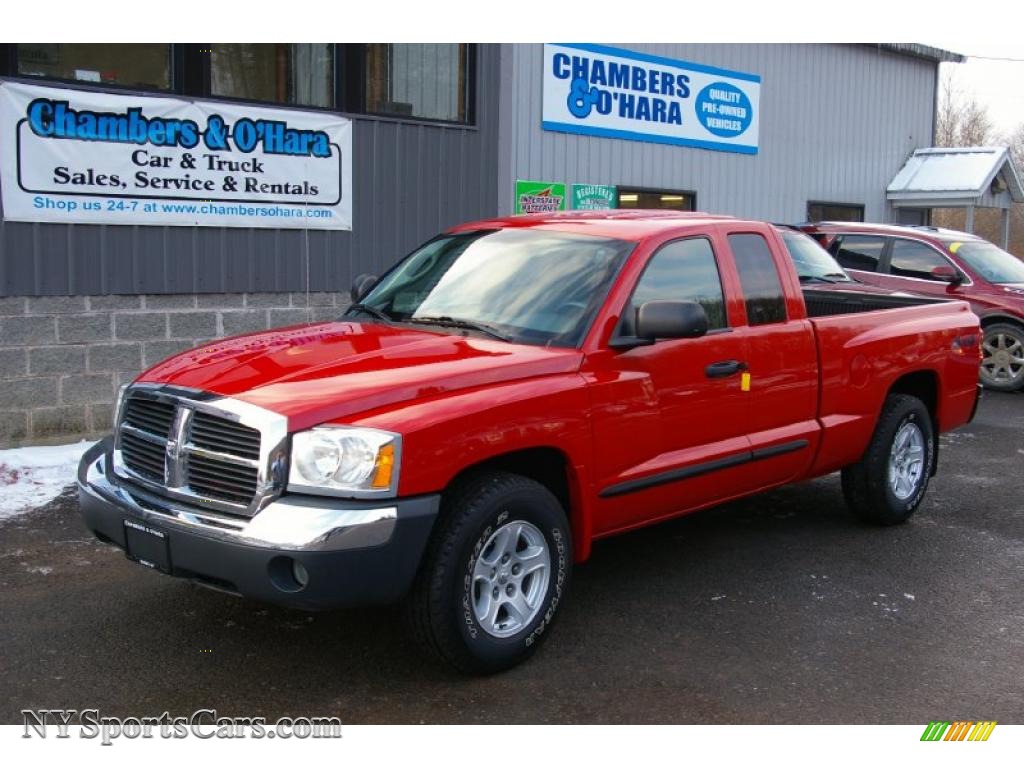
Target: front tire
x=495, y=574
x=1002, y=362
x=889, y=482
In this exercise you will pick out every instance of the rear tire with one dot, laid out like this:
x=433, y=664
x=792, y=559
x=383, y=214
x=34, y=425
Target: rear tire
x=889, y=482
x=1002, y=363
x=495, y=573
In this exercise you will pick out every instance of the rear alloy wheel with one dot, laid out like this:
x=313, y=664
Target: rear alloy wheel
x=1002, y=363
x=889, y=482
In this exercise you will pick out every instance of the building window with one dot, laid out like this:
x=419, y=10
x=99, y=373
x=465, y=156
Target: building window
x=284, y=73
x=136, y=65
x=759, y=278
x=414, y=81
x=632, y=197
x=834, y=212
x=429, y=81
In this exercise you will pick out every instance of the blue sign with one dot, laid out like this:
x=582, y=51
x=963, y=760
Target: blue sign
x=615, y=93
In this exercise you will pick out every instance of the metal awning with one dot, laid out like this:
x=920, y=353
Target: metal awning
x=959, y=177
x=954, y=177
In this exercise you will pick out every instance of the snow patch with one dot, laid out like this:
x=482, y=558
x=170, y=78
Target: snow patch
x=32, y=476
x=908, y=596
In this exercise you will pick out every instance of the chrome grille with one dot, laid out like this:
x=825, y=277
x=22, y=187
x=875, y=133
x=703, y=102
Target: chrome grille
x=153, y=416
x=225, y=466
x=198, y=449
x=225, y=436
x=144, y=457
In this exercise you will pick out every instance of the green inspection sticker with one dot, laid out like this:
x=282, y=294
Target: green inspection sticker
x=594, y=197
x=539, y=196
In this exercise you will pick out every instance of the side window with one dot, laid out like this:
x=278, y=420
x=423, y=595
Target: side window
x=684, y=270
x=759, y=278
x=911, y=258
x=861, y=252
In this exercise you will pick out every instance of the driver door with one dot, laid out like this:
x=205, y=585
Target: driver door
x=670, y=419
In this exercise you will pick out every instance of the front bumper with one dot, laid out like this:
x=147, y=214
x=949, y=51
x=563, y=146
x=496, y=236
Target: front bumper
x=354, y=552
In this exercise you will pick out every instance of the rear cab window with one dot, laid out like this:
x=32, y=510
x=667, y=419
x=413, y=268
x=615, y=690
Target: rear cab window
x=759, y=279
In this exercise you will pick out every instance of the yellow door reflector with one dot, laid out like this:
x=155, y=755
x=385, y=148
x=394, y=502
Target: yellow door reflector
x=745, y=382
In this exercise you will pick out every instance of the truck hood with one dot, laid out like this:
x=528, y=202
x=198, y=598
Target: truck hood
x=330, y=371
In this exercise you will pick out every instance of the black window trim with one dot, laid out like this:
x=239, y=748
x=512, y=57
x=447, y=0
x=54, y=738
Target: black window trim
x=857, y=206
x=190, y=77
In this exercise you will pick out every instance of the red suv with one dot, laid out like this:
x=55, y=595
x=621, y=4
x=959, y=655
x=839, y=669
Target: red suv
x=942, y=262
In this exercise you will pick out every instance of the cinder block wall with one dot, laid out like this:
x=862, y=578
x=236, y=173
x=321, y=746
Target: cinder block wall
x=63, y=358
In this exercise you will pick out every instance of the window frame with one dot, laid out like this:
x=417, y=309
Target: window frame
x=191, y=77
x=825, y=203
x=727, y=328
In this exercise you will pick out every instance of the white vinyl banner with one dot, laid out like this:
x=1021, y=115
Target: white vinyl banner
x=74, y=156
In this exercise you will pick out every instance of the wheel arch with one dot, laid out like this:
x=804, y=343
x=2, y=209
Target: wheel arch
x=551, y=467
x=999, y=317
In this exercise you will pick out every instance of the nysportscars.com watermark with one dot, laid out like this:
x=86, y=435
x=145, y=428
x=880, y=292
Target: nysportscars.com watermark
x=201, y=724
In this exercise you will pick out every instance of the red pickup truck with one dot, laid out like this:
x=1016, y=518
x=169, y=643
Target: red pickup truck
x=507, y=394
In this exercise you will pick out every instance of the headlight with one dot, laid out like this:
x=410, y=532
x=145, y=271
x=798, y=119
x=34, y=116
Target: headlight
x=345, y=460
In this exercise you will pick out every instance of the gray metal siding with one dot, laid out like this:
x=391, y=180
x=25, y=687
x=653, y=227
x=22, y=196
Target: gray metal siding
x=410, y=180
x=837, y=123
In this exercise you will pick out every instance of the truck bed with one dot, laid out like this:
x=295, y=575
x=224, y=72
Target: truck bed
x=839, y=302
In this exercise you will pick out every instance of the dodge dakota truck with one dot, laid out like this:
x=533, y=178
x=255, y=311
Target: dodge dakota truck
x=509, y=393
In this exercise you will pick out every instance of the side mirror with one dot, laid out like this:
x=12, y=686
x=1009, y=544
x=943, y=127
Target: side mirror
x=362, y=286
x=671, y=320
x=948, y=274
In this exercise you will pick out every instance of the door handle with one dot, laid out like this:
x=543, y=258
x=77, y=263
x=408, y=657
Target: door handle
x=724, y=368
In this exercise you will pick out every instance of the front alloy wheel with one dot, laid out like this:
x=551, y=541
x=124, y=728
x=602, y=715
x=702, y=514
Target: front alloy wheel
x=1002, y=363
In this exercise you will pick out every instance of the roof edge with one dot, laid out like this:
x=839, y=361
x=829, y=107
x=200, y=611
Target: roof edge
x=920, y=51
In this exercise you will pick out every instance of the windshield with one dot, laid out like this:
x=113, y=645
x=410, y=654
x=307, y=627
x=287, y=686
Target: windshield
x=811, y=260
x=992, y=263
x=528, y=286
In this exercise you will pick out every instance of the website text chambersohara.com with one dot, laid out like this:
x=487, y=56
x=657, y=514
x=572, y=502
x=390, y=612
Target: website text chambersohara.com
x=199, y=209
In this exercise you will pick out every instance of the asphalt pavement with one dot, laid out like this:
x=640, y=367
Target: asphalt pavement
x=777, y=609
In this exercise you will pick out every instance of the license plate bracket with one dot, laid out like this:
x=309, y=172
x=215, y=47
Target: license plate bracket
x=147, y=545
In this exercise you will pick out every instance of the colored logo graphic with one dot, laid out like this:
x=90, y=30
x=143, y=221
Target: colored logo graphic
x=724, y=109
x=539, y=197
x=959, y=730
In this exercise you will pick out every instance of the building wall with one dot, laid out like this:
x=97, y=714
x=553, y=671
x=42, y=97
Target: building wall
x=84, y=308
x=837, y=123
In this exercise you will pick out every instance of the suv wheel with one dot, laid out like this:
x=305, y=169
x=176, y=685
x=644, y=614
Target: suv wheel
x=1002, y=363
x=495, y=574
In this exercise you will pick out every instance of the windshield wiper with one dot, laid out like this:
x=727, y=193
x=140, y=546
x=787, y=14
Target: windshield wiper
x=840, y=277
x=454, y=322
x=371, y=311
